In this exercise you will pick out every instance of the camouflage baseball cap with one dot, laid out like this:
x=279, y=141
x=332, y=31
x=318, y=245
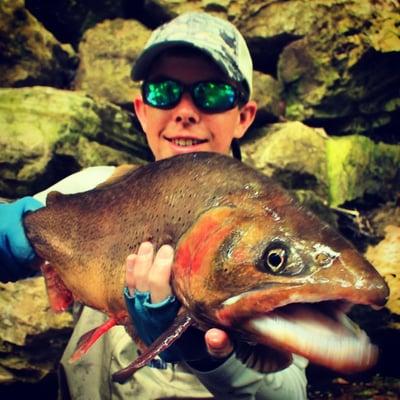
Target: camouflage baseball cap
x=214, y=36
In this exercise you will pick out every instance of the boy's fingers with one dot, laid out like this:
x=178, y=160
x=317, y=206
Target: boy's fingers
x=159, y=274
x=143, y=263
x=129, y=273
x=218, y=343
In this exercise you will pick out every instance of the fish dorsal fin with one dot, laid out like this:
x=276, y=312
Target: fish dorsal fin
x=118, y=174
x=53, y=197
x=262, y=358
x=174, y=332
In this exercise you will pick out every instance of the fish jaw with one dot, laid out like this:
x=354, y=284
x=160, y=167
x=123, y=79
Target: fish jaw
x=308, y=317
x=330, y=341
x=320, y=332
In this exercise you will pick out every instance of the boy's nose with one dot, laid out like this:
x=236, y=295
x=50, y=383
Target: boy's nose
x=186, y=112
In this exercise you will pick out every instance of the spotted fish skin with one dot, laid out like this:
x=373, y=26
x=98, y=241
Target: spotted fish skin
x=244, y=248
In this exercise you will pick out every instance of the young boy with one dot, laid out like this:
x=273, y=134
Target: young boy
x=197, y=81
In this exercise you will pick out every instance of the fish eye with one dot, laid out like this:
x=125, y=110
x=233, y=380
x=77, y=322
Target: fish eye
x=275, y=257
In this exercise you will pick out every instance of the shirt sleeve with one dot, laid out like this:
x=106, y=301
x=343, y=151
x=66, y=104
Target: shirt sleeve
x=234, y=380
x=81, y=181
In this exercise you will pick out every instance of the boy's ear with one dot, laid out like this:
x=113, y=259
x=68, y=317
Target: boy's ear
x=246, y=117
x=140, y=110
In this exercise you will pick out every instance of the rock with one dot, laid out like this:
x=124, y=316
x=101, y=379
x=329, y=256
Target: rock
x=357, y=166
x=107, y=52
x=295, y=155
x=336, y=169
x=160, y=11
x=267, y=93
x=32, y=337
x=67, y=20
x=30, y=54
x=291, y=152
x=384, y=215
x=385, y=257
x=343, y=74
x=47, y=133
x=270, y=26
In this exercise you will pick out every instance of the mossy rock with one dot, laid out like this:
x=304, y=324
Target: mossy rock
x=357, y=166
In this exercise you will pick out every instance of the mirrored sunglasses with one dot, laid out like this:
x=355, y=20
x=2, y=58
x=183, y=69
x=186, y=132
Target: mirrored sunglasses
x=208, y=96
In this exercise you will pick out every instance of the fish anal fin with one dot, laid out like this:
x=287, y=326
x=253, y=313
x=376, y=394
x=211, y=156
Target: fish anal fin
x=88, y=339
x=262, y=358
x=60, y=297
x=174, y=332
x=118, y=174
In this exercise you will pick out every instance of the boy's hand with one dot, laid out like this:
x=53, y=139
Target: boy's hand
x=153, y=307
x=144, y=272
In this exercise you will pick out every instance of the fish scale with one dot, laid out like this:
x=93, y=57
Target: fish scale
x=245, y=252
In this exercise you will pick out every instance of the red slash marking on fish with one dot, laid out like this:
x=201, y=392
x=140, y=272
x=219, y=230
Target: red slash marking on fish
x=205, y=236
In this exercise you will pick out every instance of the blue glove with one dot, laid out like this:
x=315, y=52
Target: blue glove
x=151, y=320
x=16, y=253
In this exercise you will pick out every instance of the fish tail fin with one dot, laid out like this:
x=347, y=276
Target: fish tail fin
x=60, y=297
x=90, y=338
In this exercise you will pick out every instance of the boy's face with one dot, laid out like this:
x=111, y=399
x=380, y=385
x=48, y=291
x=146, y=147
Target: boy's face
x=185, y=128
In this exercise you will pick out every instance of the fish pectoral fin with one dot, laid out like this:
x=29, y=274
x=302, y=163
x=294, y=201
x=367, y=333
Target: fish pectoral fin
x=88, y=339
x=60, y=297
x=262, y=358
x=174, y=332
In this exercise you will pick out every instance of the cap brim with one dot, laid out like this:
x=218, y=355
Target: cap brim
x=142, y=65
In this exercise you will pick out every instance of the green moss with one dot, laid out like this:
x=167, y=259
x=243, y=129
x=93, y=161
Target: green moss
x=392, y=105
x=356, y=165
x=294, y=111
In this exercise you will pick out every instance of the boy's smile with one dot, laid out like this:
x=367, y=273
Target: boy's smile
x=180, y=142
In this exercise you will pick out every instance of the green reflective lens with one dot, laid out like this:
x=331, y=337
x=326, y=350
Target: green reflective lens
x=163, y=94
x=214, y=96
x=208, y=96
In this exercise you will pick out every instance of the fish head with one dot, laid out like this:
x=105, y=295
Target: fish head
x=276, y=274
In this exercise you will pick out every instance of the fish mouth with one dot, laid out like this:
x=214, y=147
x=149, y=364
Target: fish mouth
x=320, y=332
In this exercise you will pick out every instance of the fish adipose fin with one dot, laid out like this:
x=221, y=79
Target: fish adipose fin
x=90, y=338
x=261, y=358
x=60, y=298
x=174, y=332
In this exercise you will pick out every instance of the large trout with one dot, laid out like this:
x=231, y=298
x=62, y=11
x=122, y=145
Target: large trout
x=248, y=258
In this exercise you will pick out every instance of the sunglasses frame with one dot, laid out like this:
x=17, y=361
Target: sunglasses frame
x=239, y=96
